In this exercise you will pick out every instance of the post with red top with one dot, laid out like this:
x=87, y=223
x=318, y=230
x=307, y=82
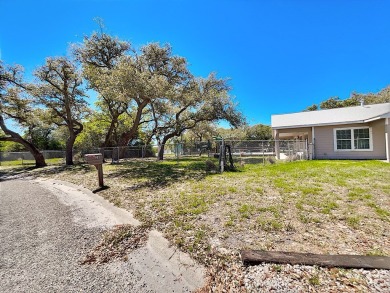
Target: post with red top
x=97, y=161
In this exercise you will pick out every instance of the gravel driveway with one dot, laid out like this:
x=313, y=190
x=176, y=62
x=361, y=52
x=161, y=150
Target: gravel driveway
x=44, y=234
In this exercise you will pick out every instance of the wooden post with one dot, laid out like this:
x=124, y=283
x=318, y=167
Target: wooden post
x=97, y=161
x=100, y=174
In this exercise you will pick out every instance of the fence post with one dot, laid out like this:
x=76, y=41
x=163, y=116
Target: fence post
x=176, y=150
x=262, y=146
x=277, y=149
x=222, y=156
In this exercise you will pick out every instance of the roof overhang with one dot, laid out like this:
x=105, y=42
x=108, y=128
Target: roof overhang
x=378, y=117
x=322, y=124
x=329, y=117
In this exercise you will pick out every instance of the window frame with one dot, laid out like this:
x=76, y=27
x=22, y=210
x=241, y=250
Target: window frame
x=353, y=139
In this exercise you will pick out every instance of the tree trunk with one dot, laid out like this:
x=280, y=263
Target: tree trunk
x=161, y=146
x=69, y=149
x=160, y=154
x=38, y=156
x=15, y=137
x=110, y=132
x=127, y=136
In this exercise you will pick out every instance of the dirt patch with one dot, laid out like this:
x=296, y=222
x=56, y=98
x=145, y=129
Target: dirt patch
x=117, y=243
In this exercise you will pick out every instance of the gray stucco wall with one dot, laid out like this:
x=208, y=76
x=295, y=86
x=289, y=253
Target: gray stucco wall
x=324, y=142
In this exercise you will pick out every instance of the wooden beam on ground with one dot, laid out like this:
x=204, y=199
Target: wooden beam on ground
x=253, y=257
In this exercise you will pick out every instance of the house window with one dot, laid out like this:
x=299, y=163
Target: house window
x=343, y=139
x=361, y=137
x=353, y=139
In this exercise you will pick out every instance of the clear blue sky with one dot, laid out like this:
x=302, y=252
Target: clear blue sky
x=281, y=56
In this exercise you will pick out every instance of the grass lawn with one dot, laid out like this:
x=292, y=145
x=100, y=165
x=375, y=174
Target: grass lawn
x=333, y=207
x=21, y=162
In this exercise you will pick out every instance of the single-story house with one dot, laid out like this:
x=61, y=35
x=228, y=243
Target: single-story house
x=361, y=132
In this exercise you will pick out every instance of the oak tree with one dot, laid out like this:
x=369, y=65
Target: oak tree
x=99, y=55
x=16, y=105
x=195, y=101
x=59, y=89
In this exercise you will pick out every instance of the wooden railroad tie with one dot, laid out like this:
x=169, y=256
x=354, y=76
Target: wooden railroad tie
x=254, y=257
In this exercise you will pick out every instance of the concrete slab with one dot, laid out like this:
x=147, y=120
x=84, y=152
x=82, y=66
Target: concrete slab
x=171, y=269
x=89, y=209
x=162, y=267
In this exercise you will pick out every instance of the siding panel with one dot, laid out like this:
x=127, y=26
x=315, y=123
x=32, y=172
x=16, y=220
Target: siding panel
x=324, y=142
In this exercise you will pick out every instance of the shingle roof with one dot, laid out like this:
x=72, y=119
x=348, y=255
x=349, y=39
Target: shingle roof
x=358, y=114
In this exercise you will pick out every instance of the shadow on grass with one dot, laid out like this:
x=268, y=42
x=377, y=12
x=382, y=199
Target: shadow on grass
x=100, y=189
x=152, y=173
x=10, y=173
x=159, y=174
x=250, y=160
x=15, y=172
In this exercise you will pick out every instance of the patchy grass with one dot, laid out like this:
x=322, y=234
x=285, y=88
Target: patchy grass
x=332, y=207
x=353, y=221
x=314, y=280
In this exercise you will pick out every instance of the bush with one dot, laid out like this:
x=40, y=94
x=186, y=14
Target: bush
x=271, y=160
x=210, y=166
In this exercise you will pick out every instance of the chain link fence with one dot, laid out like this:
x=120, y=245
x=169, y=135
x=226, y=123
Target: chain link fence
x=260, y=151
x=26, y=158
x=242, y=152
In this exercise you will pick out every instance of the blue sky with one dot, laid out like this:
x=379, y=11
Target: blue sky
x=281, y=56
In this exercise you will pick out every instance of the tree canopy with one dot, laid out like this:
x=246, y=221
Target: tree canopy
x=199, y=100
x=145, y=93
x=153, y=88
x=59, y=90
x=16, y=105
x=355, y=99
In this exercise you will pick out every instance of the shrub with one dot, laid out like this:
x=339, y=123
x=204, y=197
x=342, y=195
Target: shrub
x=210, y=166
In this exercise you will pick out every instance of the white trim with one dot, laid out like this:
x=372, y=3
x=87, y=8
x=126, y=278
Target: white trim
x=318, y=125
x=373, y=119
x=353, y=140
x=378, y=117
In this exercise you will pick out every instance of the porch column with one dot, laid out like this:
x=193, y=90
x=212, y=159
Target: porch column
x=309, y=144
x=387, y=138
x=313, y=138
x=277, y=149
x=310, y=136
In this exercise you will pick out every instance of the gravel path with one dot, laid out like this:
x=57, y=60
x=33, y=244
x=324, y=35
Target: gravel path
x=300, y=278
x=42, y=241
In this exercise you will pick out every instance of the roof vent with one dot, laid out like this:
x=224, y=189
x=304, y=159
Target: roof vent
x=362, y=102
